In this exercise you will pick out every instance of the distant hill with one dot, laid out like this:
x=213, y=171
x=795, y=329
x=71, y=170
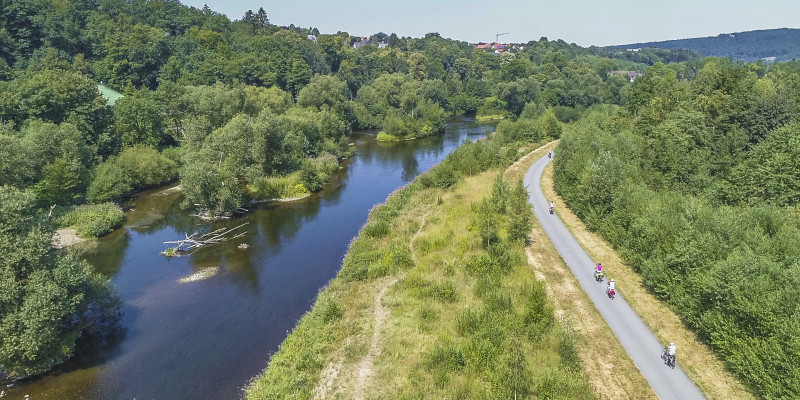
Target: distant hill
x=783, y=44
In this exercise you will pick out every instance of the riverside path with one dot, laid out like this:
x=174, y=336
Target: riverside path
x=641, y=345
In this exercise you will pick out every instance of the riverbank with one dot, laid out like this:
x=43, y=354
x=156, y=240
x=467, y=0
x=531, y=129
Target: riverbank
x=421, y=309
x=295, y=249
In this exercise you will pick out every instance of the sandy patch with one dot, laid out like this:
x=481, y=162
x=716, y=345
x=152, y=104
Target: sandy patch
x=173, y=189
x=281, y=200
x=65, y=237
x=204, y=273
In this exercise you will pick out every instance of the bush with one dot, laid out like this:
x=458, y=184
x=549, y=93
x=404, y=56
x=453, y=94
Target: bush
x=278, y=187
x=93, y=220
x=135, y=168
x=315, y=172
x=377, y=229
x=445, y=356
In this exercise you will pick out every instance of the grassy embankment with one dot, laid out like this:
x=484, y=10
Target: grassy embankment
x=421, y=309
x=696, y=359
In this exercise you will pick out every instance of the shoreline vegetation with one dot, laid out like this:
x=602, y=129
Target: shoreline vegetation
x=435, y=298
x=485, y=118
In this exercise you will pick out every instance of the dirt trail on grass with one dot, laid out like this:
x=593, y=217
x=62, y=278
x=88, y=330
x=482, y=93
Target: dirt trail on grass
x=365, y=367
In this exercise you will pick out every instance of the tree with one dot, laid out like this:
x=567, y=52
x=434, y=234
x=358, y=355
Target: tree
x=519, y=212
x=770, y=173
x=658, y=80
x=134, y=56
x=518, y=93
x=486, y=220
x=47, y=301
x=261, y=18
x=62, y=184
x=256, y=20
x=212, y=187
x=379, y=37
x=323, y=91
x=417, y=66
x=393, y=41
x=139, y=118
x=298, y=76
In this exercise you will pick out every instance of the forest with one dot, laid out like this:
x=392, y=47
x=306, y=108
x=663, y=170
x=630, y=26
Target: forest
x=244, y=110
x=751, y=46
x=696, y=182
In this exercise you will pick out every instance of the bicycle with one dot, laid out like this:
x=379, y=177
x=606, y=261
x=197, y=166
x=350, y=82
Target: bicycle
x=669, y=360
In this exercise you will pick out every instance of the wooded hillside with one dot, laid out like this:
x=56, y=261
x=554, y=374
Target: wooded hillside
x=783, y=44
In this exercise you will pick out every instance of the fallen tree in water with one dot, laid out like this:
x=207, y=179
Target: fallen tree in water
x=195, y=241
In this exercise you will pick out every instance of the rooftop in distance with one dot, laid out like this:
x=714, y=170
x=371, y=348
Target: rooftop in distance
x=109, y=94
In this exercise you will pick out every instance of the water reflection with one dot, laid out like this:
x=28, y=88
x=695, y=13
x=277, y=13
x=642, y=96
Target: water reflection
x=207, y=338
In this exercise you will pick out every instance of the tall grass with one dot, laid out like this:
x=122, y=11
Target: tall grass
x=92, y=220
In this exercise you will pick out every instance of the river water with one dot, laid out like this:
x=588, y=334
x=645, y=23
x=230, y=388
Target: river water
x=206, y=339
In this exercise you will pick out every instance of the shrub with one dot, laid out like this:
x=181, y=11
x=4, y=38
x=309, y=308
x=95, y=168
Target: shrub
x=445, y=356
x=377, y=229
x=331, y=311
x=93, y=220
x=135, y=168
x=315, y=172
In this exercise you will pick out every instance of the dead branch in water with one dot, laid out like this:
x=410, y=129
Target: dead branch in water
x=194, y=242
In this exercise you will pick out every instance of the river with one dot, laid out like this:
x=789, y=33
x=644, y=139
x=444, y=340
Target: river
x=205, y=339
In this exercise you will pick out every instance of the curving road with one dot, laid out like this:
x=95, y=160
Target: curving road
x=638, y=341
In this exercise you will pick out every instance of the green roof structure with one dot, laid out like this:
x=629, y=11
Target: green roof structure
x=110, y=95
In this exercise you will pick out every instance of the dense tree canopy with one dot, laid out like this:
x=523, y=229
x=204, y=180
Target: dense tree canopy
x=699, y=187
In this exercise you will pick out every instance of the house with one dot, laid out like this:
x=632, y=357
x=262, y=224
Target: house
x=363, y=40
x=632, y=75
x=482, y=46
x=633, y=49
x=770, y=60
x=382, y=45
x=499, y=48
x=312, y=38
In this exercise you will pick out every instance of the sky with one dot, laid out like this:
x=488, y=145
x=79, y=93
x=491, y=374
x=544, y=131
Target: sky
x=585, y=22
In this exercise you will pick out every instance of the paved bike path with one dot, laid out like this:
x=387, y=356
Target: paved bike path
x=636, y=338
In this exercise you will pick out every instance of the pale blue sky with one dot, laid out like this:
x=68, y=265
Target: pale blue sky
x=585, y=22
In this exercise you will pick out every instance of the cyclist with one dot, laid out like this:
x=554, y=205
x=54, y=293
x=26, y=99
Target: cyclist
x=671, y=353
x=598, y=272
